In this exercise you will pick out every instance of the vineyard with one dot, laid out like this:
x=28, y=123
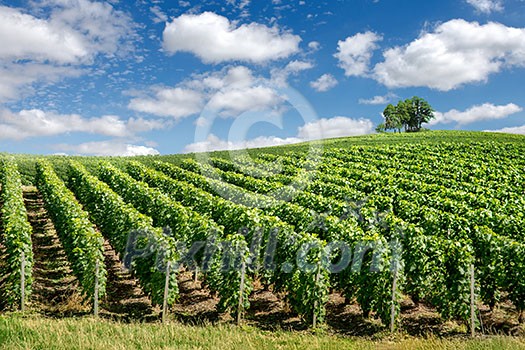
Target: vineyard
x=382, y=225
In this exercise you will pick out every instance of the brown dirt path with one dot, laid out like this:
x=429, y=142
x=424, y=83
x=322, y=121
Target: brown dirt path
x=55, y=289
x=125, y=300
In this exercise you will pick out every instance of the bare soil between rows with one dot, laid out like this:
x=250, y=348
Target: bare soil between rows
x=269, y=312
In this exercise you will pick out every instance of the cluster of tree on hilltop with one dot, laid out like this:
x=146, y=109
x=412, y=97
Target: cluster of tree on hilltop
x=409, y=115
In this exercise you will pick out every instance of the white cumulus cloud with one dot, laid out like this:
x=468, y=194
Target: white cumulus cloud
x=486, y=6
x=298, y=66
x=335, y=127
x=280, y=75
x=214, y=143
x=378, y=100
x=320, y=129
x=107, y=148
x=23, y=36
x=324, y=83
x=486, y=111
x=457, y=52
x=169, y=102
x=354, y=53
x=229, y=92
x=314, y=46
x=214, y=39
x=56, y=39
x=511, y=130
x=69, y=32
x=104, y=29
x=35, y=123
x=233, y=102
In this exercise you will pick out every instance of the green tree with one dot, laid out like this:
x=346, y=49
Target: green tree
x=381, y=128
x=393, y=118
x=409, y=114
x=420, y=112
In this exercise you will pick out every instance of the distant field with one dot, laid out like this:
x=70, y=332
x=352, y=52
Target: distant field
x=326, y=244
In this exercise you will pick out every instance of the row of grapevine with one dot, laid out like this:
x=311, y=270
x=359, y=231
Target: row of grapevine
x=478, y=191
x=368, y=211
x=495, y=215
x=83, y=244
x=456, y=164
x=354, y=284
x=484, y=210
x=308, y=180
x=489, y=266
x=371, y=160
x=118, y=221
x=306, y=293
x=15, y=235
x=498, y=266
x=507, y=184
x=287, y=193
x=448, y=301
x=293, y=213
x=188, y=227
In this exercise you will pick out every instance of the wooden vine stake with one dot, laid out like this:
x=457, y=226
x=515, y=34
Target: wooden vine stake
x=472, y=303
x=166, y=294
x=241, y=293
x=23, y=282
x=314, y=318
x=393, y=307
x=196, y=276
x=95, y=294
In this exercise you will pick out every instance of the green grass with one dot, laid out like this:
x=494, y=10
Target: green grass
x=35, y=332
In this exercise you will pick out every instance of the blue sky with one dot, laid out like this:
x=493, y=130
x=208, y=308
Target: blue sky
x=148, y=77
